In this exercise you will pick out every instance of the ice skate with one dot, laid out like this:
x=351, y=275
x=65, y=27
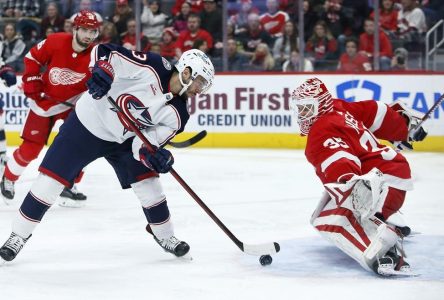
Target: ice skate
x=12, y=247
x=7, y=189
x=172, y=245
x=72, y=198
x=392, y=264
x=404, y=231
x=3, y=160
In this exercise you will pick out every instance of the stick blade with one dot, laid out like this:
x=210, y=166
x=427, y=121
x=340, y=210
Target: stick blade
x=193, y=140
x=262, y=249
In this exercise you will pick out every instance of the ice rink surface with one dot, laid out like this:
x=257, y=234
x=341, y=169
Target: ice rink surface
x=102, y=251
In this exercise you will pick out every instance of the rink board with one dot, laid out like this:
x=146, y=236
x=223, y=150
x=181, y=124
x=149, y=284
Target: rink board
x=251, y=110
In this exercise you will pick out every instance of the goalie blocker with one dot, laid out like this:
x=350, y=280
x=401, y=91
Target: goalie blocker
x=416, y=132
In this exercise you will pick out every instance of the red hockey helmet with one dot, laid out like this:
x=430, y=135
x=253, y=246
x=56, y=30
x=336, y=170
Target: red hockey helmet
x=86, y=19
x=310, y=100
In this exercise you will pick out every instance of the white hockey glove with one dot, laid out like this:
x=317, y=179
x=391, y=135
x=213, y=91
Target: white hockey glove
x=416, y=133
x=366, y=193
x=369, y=193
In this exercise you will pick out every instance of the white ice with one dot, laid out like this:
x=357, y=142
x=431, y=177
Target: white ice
x=102, y=251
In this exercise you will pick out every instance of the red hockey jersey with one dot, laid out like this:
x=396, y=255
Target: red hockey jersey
x=274, y=24
x=186, y=39
x=357, y=63
x=344, y=142
x=65, y=74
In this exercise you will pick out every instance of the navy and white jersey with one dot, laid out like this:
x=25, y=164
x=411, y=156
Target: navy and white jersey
x=141, y=89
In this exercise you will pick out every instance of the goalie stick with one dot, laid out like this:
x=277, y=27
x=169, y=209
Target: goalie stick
x=429, y=112
x=191, y=141
x=423, y=119
x=256, y=249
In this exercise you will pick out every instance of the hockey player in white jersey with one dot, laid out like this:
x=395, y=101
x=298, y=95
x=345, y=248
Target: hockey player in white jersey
x=153, y=94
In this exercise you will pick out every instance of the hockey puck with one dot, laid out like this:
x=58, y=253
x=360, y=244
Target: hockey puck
x=265, y=260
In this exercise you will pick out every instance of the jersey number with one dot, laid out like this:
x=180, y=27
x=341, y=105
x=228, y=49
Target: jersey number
x=139, y=55
x=334, y=143
x=369, y=142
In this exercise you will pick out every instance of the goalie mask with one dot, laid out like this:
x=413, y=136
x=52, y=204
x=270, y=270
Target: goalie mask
x=201, y=68
x=310, y=101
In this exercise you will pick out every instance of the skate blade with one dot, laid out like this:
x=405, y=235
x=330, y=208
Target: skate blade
x=186, y=257
x=71, y=203
x=7, y=201
x=413, y=234
x=395, y=273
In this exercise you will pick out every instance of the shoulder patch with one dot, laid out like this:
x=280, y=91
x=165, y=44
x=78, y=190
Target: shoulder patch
x=166, y=64
x=40, y=45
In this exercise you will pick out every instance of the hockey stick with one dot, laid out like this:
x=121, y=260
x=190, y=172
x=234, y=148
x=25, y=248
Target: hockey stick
x=258, y=249
x=429, y=112
x=193, y=140
x=43, y=95
x=69, y=104
x=426, y=116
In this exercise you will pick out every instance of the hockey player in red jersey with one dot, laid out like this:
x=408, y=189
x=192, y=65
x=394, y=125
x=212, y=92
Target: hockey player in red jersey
x=365, y=182
x=52, y=94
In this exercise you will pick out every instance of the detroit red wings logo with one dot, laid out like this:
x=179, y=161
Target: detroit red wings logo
x=134, y=109
x=64, y=76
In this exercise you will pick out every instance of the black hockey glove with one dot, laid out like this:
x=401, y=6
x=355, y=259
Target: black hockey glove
x=160, y=161
x=7, y=74
x=102, y=77
x=415, y=135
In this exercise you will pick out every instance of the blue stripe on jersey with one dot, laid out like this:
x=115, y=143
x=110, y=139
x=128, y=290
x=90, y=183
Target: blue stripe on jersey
x=33, y=209
x=158, y=214
x=151, y=59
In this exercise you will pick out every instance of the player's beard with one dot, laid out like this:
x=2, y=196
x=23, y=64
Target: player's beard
x=80, y=43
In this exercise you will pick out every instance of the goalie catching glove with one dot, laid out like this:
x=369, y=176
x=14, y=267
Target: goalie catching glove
x=367, y=193
x=160, y=161
x=416, y=133
x=102, y=77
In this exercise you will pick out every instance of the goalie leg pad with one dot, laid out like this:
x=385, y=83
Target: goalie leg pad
x=363, y=240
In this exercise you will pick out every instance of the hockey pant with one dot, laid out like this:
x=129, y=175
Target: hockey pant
x=22, y=157
x=45, y=190
x=363, y=239
x=35, y=135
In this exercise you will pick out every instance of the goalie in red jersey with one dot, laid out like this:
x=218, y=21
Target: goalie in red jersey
x=365, y=182
x=56, y=71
